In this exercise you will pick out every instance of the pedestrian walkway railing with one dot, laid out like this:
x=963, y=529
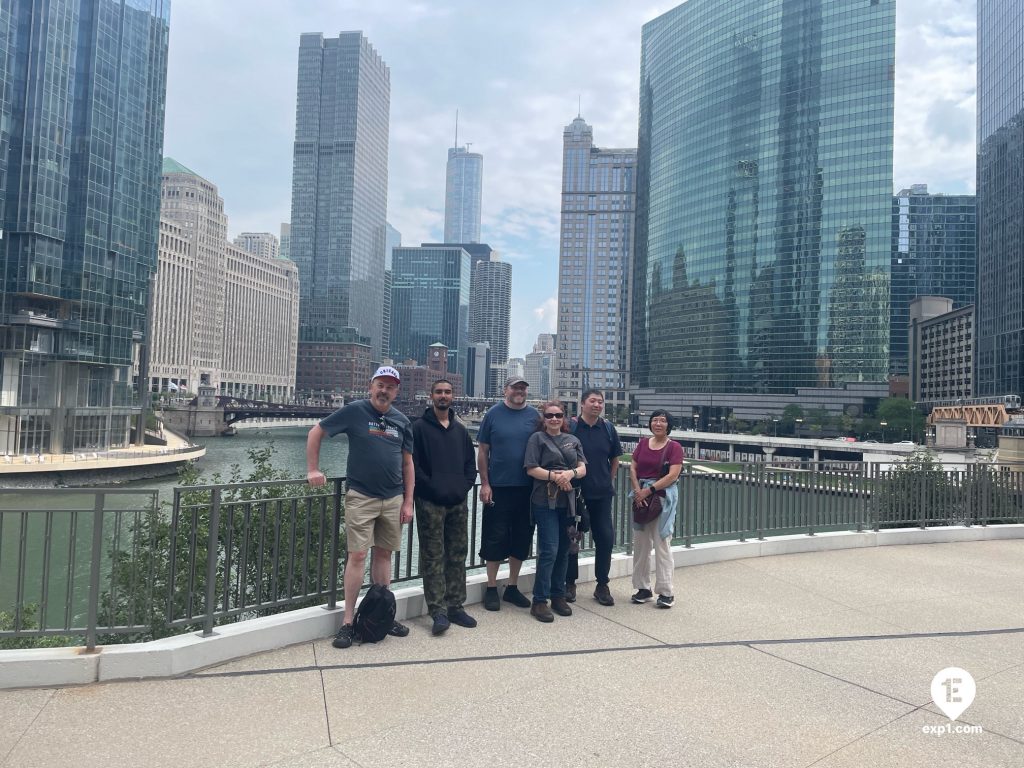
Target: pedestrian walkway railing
x=93, y=566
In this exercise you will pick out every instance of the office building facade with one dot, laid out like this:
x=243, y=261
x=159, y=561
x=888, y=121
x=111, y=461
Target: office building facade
x=478, y=369
x=79, y=215
x=463, y=195
x=934, y=253
x=764, y=202
x=430, y=301
x=286, y=241
x=1000, y=188
x=539, y=369
x=490, y=312
x=595, y=256
x=392, y=239
x=223, y=316
x=339, y=188
x=263, y=244
x=941, y=349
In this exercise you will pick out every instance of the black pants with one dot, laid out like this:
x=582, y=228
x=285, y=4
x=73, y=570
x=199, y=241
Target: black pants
x=603, y=533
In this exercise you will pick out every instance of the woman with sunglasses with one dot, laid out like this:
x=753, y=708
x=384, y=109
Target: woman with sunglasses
x=554, y=459
x=657, y=462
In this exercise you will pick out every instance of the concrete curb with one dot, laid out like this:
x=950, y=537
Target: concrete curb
x=173, y=656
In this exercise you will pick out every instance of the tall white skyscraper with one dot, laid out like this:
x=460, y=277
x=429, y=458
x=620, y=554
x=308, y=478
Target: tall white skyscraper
x=598, y=203
x=463, y=194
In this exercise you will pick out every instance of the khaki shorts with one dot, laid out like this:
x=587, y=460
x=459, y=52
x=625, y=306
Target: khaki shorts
x=372, y=522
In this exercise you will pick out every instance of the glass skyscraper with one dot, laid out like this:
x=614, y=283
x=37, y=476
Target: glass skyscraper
x=598, y=206
x=999, y=312
x=81, y=135
x=764, y=198
x=463, y=196
x=933, y=254
x=339, y=189
x=430, y=303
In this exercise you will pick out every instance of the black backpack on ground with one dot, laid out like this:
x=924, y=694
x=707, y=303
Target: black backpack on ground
x=375, y=615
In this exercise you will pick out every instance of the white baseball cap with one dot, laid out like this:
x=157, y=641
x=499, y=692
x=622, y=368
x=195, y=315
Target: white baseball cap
x=387, y=370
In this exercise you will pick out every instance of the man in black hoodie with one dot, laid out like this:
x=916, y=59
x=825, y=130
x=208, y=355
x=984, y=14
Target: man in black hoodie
x=445, y=472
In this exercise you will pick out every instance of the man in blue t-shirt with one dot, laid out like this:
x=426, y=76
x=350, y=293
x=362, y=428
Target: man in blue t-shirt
x=379, y=497
x=507, y=529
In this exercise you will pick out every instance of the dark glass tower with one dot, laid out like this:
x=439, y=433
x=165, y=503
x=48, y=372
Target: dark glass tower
x=430, y=300
x=933, y=254
x=81, y=136
x=999, y=312
x=340, y=189
x=764, y=198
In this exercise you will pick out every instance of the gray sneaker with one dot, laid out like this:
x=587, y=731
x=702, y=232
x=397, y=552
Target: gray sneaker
x=666, y=601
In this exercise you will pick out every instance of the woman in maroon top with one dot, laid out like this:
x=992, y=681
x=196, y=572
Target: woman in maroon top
x=657, y=462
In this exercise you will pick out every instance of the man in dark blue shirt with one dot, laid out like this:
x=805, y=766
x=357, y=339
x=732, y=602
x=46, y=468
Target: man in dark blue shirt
x=602, y=448
x=380, y=478
x=507, y=528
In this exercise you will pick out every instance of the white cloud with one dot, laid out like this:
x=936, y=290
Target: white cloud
x=516, y=73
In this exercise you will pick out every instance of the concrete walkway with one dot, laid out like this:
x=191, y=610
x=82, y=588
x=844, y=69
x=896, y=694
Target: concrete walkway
x=819, y=659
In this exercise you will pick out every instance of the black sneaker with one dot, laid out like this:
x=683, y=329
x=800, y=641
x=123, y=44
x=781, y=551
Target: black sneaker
x=441, y=624
x=345, y=636
x=603, y=595
x=460, y=617
x=642, y=596
x=666, y=601
x=570, y=593
x=514, y=596
x=398, y=630
x=491, y=600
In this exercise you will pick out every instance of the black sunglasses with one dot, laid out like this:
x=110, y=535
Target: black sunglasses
x=553, y=415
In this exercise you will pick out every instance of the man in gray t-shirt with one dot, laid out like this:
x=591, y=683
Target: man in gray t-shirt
x=380, y=475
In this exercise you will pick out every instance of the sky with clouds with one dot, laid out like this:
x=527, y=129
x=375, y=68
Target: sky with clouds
x=517, y=73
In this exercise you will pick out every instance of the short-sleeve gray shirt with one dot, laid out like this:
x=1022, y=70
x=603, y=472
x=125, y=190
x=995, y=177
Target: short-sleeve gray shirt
x=375, y=445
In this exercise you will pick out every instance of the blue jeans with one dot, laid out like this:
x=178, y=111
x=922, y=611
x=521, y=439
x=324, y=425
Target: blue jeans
x=552, y=553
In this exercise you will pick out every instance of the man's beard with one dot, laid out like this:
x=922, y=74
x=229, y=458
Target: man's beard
x=442, y=406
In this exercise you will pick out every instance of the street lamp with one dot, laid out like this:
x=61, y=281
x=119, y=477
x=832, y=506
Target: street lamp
x=883, y=425
x=796, y=429
x=775, y=427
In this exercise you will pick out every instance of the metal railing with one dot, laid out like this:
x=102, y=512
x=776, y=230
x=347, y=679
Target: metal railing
x=221, y=553
x=58, y=553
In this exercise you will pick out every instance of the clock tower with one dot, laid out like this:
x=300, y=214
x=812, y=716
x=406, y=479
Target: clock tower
x=437, y=359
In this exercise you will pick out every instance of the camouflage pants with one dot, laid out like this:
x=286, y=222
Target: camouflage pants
x=444, y=544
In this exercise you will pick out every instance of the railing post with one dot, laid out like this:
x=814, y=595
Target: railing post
x=762, y=501
x=922, y=498
x=688, y=514
x=94, y=573
x=874, y=498
x=332, y=579
x=211, y=561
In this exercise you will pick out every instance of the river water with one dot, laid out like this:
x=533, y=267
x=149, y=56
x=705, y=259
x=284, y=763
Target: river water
x=289, y=455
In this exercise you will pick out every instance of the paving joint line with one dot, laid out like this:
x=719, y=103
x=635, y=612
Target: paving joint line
x=28, y=727
x=323, y=693
x=617, y=649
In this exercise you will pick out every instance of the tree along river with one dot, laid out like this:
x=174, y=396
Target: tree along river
x=222, y=454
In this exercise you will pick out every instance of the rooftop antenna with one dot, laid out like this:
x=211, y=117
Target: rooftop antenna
x=456, y=129
x=579, y=106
